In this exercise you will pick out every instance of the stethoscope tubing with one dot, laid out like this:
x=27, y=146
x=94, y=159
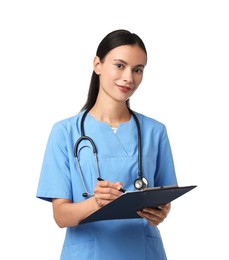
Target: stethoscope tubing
x=140, y=182
x=139, y=144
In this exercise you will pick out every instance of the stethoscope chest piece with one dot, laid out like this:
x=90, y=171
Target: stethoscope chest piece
x=140, y=183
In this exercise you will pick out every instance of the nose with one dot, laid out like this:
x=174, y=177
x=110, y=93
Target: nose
x=128, y=75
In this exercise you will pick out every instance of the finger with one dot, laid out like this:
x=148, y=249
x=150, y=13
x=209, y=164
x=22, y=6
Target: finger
x=107, y=190
x=104, y=198
x=152, y=219
x=165, y=206
x=156, y=214
x=108, y=184
x=153, y=213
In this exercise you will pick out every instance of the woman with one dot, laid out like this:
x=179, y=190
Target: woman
x=69, y=175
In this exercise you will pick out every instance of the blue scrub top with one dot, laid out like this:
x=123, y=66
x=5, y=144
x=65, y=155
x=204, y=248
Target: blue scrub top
x=118, y=161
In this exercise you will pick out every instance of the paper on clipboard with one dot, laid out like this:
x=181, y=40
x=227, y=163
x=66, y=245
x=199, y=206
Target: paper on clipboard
x=126, y=205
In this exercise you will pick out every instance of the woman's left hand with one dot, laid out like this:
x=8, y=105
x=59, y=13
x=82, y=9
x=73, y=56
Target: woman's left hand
x=155, y=216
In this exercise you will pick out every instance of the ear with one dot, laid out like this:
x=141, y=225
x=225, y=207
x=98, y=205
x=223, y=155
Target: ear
x=97, y=65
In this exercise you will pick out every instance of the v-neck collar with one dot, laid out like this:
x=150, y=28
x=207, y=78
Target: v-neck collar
x=109, y=144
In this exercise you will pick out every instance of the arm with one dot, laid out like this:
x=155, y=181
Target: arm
x=66, y=213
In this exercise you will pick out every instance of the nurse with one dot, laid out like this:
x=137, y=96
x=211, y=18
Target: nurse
x=72, y=185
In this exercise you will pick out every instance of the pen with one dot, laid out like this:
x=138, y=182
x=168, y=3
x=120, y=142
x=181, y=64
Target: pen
x=121, y=189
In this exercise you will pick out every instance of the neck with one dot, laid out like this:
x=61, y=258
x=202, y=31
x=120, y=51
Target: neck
x=113, y=115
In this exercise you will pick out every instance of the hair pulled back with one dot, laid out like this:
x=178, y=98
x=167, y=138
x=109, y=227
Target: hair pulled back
x=110, y=41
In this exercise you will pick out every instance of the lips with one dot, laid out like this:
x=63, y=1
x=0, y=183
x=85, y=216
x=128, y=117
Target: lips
x=124, y=89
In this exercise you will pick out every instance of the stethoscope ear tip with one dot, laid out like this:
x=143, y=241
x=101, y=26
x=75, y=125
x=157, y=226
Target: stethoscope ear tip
x=85, y=194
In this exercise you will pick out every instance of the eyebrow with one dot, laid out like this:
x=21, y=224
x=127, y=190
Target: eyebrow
x=120, y=60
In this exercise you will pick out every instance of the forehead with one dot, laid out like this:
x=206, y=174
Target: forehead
x=131, y=54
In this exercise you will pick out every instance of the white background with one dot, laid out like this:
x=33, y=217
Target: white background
x=46, y=53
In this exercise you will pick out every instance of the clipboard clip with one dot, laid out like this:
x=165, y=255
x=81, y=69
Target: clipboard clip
x=161, y=187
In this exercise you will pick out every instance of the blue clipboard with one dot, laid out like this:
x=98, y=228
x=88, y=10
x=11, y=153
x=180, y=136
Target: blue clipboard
x=125, y=206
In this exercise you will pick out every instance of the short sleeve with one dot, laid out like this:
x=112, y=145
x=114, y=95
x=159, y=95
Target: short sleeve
x=165, y=170
x=55, y=181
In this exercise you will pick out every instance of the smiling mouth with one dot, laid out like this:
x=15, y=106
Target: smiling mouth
x=124, y=89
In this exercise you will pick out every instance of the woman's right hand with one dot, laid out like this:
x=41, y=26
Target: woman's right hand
x=106, y=191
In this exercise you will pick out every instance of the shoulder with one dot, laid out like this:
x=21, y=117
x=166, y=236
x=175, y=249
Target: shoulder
x=67, y=125
x=150, y=122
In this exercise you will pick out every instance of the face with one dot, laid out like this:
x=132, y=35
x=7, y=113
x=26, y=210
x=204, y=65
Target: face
x=120, y=72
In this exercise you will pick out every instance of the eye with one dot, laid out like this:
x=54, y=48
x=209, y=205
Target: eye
x=119, y=66
x=138, y=70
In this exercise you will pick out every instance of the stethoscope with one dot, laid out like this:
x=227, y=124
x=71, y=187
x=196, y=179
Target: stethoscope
x=139, y=184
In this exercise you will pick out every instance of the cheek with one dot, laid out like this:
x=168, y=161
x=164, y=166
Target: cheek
x=137, y=80
x=109, y=75
x=113, y=74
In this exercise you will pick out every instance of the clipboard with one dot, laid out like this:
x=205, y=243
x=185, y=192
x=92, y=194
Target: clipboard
x=125, y=206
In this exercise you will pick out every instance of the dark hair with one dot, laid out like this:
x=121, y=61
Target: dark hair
x=112, y=40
